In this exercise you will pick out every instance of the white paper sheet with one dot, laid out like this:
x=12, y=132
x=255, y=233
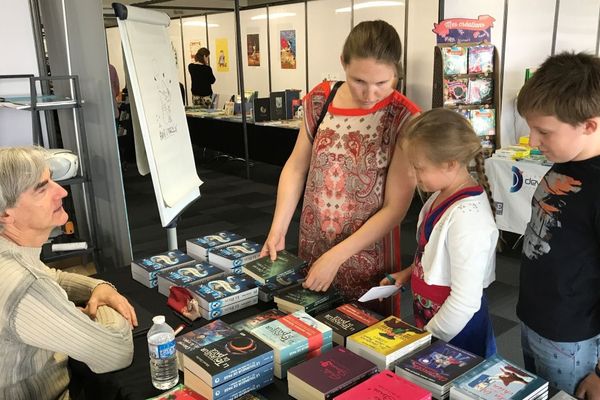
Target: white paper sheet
x=379, y=292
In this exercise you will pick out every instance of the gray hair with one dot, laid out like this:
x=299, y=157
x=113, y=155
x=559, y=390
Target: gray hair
x=20, y=170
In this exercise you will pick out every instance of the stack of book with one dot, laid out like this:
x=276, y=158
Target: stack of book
x=348, y=319
x=298, y=298
x=498, y=379
x=191, y=274
x=328, y=375
x=229, y=368
x=254, y=321
x=272, y=276
x=387, y=341
x=231, y=258
x=294, y=338
x=437, y=366
x=199, y=247
x=224, y=295
x=145, y=270
x=385, y=385
x=211, y=332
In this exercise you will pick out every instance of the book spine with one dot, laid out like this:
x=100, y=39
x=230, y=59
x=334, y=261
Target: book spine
x=245, y=383
x=241, y=369
x=255, y=385
x=209, y=315
x=219, y=304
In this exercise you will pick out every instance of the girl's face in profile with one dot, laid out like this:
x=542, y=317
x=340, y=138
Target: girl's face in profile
x=431, y=177
x=369, y=80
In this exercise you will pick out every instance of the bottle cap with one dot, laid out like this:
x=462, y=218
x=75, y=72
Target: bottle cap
x=159, y=319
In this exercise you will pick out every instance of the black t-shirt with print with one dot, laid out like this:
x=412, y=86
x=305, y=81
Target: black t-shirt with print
x=559, y=293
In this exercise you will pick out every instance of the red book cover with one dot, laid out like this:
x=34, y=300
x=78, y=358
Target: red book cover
x=179, y=392
x=331, y=372
x=386, y=386
x=314, y=336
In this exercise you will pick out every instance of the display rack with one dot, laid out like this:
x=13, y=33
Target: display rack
x=439, y=97
x=79, y=186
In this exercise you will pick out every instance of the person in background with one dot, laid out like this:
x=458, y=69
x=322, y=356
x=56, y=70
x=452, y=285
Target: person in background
x=47, y=314
x=202, y=79
x=358, y=180
x=456, y=233
x=559, y=292
x=115, y=89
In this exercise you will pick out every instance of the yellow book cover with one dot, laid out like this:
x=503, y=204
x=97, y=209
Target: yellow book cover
x=389, y=335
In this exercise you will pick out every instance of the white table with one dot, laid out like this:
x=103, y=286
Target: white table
x=513, y=184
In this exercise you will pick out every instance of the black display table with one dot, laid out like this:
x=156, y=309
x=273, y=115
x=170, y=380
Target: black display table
x=134, y=382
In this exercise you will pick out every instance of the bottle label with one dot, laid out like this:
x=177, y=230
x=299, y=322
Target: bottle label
x=165, y=350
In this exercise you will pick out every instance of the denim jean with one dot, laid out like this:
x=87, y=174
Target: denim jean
x=563, y=364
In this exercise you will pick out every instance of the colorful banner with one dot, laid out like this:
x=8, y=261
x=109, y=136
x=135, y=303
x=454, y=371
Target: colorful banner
x=253, y=43
x=222, y=55
x=464, y=30
x=287, y=40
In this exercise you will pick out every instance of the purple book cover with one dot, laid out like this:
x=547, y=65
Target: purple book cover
x=334, y=370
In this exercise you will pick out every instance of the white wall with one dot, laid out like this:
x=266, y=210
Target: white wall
x=255, y=77
x=18, y=57
x=419, y=46
x=325, y=44
x=282, y=79
x=222, y=26
x=578, y=26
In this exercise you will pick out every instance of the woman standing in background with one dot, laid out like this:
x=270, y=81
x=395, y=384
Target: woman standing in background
x=202, y=79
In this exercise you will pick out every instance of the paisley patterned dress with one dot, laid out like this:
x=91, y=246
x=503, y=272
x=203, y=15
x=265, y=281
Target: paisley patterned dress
x=351, y=153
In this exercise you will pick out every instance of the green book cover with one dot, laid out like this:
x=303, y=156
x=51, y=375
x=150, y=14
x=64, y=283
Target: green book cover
x=264, y=270
x=300, y=298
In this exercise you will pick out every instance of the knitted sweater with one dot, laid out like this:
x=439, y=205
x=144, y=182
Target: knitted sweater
x=40, y=326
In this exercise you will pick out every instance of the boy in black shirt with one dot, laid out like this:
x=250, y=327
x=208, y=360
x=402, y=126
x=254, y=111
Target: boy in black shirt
x=559, y=295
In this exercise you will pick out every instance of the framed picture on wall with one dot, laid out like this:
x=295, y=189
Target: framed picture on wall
x=222, y=54
x=253, y=44
x=287, y=40
x=195, y=45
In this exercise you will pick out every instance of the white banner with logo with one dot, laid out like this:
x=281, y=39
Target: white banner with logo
x=513, y=184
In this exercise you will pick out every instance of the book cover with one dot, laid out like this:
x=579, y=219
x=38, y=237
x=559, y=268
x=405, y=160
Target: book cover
x=497, y=378
x=190, y=341
x=388, y=336
x=222, y=291
x=386, y=385
x=179, y=392
x=293, y=335
x=267, y=292
x=191, y=274
x=200, y=246
x=253, y=380
x=264, y=270
x=282, y=369
x=235, y=255
x=228, y=309
x=440, y=363
x=330, y=373
x=305, y=299
x=248, y=324
x=262, y=109
x=277, y=106
x=291, y=95
x=228, y=358
x=144, y=270
x=348, y=319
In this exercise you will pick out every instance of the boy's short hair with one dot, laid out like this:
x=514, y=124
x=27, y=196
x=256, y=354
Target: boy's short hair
x=566, y=86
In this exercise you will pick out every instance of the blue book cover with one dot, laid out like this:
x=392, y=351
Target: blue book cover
x=200, y=246
x=209, y=333
x=254, y=321
x=235, y=255
x=228, y=309
x=439, y=363
x=252, y=380
x=222, y=291
x=145, y=270
x=191, y=274
x=228, y=358
x=496, y=379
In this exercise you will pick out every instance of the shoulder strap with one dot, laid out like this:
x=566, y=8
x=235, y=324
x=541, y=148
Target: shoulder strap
x=326, y=105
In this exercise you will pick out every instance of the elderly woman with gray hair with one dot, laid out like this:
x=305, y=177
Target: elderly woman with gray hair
x=40, y=321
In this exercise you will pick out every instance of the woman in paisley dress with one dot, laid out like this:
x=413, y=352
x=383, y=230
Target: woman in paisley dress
x=356, y=179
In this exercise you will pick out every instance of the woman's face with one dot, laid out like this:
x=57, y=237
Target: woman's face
x=369, y=80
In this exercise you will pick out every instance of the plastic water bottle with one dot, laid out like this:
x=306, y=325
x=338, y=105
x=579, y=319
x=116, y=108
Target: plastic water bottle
x=163, y=360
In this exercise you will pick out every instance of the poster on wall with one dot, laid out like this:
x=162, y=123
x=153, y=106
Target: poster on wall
x=252, y=41
x=195, y=45
x=288, y=49
x=464, y=30
x=222, y=54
